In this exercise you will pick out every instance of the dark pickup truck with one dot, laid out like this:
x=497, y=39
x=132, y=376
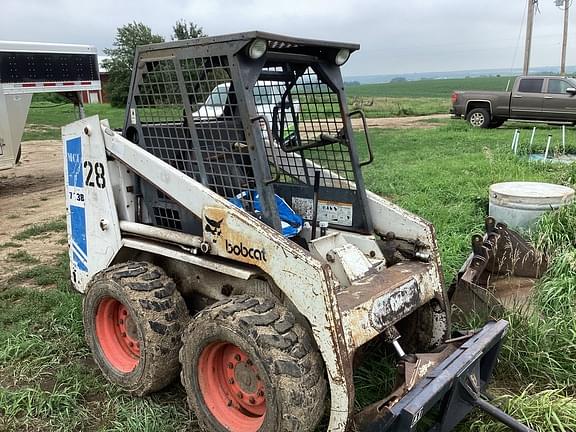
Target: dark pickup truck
x=536, y=98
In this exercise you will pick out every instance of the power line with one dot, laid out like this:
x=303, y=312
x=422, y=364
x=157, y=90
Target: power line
x=518, y=40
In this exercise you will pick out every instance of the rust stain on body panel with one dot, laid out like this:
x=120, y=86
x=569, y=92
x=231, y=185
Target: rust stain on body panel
x=377, y=284
x=382, y=299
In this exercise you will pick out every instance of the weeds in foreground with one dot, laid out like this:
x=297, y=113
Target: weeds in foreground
x=544, y=411
x=556, y=231
x=10, y=244
x=556, y=235
x=57, y=225
x=22, y=257
x=538, y=350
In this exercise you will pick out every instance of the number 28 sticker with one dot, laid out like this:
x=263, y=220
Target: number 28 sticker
x=95, y=176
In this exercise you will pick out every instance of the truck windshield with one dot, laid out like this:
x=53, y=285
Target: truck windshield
x=265, y=93
x=218, y=96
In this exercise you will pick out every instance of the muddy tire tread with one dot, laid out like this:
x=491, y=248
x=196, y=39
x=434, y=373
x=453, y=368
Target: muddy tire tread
x=162, y=314
x=286, y=346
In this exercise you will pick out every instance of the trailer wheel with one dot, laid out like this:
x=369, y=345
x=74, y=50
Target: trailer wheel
x=133, y=321
x=479, y=117
x=247, y=366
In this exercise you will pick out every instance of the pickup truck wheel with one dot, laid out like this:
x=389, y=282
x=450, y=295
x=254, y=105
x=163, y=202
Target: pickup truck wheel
x=496, y=123
x=479, y=117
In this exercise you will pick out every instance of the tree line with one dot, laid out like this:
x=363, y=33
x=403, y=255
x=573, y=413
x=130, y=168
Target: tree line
x=120, y=58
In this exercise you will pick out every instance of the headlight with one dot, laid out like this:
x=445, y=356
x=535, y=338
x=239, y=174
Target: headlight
x=257, y=49
x=342, y=57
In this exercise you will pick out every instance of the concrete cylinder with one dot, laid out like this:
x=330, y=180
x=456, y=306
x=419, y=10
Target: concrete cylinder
x=520, y=204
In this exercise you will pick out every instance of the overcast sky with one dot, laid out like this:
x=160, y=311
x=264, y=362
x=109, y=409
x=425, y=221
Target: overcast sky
x=399, y=36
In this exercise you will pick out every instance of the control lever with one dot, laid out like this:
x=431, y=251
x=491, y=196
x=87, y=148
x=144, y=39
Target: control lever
x=315, y=203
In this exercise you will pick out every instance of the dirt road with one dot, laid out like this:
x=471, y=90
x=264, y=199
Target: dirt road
x=31, y=194
x=419, y=122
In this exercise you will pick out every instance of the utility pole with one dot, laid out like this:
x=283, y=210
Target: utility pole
x=565, y=36
x=528, y=46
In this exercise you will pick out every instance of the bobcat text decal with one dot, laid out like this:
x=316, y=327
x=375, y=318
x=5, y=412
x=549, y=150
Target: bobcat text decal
x=241, y=250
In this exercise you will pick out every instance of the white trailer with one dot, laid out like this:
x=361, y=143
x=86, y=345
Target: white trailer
x=29, y=67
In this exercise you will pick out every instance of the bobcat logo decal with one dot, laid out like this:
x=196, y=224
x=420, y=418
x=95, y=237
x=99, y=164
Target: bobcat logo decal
x=213, y=227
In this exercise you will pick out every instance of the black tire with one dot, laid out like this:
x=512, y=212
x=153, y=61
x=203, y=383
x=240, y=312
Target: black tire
x=156, y=317
x=425, y=330
x=496, y=123
x=279, y=351
x=479, y=117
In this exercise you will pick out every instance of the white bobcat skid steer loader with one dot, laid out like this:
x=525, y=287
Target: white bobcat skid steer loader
x=241, y=249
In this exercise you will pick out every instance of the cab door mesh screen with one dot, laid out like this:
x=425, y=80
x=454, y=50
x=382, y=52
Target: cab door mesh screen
x=188, y=116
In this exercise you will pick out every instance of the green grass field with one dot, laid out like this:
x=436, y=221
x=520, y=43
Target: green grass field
x=48, y=381
x=415, y=98
x=437, y=88
x=46, y=118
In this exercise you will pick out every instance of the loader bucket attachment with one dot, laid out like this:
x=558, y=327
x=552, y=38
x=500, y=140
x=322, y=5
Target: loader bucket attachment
x=500, y=271
x=452, y=387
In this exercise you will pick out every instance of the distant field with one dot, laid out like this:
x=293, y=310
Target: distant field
x=437, y=88
x=409, y=98
x=415, y=98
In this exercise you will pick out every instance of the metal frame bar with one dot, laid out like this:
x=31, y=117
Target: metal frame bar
x=248, y=37
x=248, y=111
x=190, y=118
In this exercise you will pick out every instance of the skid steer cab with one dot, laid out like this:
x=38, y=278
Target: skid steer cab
x=226, y=236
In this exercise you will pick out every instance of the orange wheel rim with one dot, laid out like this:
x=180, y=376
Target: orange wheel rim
x=117, y=335
x=232, y=387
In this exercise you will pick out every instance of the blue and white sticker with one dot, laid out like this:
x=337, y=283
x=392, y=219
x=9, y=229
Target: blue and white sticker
x=79, y=244
x=75, y=181
x=74, y=162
